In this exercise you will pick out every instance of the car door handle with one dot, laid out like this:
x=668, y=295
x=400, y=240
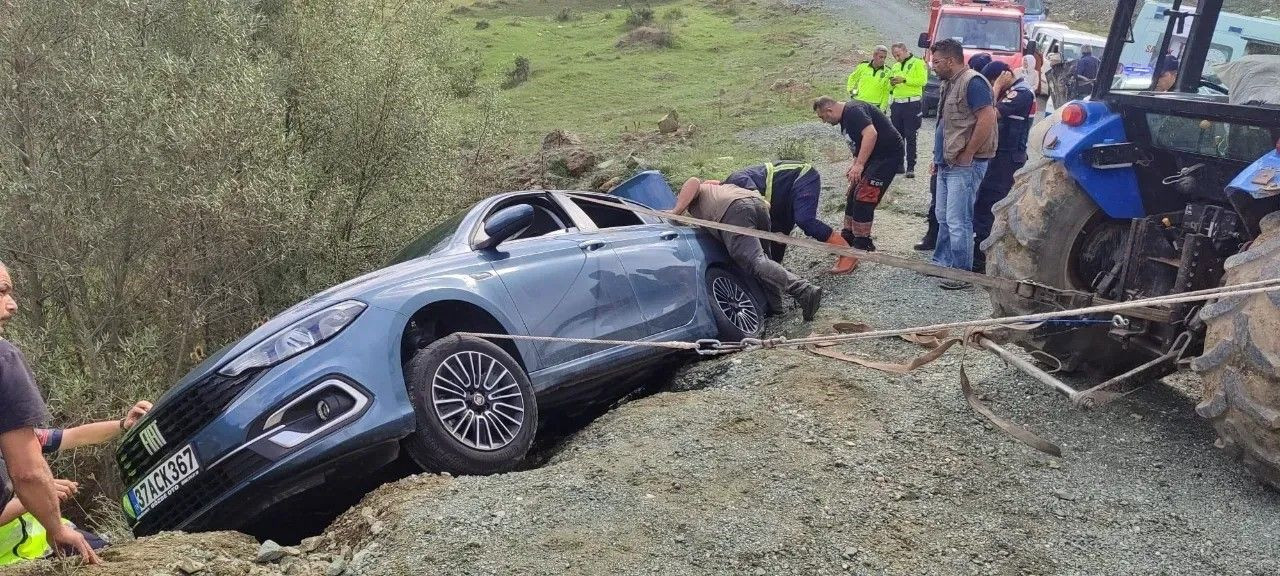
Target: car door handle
x=592, y=245
x=669, y=235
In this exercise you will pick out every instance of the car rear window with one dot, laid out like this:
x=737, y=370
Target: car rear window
x=608, y=217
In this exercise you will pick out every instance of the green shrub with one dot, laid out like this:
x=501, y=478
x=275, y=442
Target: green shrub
x=171, y=182
x=639, y=16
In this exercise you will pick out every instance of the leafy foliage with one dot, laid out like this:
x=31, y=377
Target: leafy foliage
x=174, y=173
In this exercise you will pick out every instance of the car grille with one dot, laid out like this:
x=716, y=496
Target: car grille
x=202, y=490
x=178, y=420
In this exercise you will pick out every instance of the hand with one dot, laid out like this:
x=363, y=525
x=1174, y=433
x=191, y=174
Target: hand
x=66, y=488
x=136, y=413
x=933, y=169
x=854, y=174
x=964, y=160
x=66, y=540
x=1002, y=83
x=896, y=80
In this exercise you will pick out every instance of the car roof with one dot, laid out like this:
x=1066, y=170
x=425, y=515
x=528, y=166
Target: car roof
x=1083, y=38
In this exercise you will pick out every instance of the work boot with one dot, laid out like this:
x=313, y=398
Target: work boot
x=929, y=242
x=808, y=297
x=863, y=243
x=845, y=264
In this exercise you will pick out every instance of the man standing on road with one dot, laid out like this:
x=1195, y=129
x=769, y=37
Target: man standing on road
x=877, y=153
x=1087, y=68
x=907, y=79
x=21, y=461
x=741, y=207
x=965, y=141
x=869, y=81
x=1015, y=103
x=791, y=190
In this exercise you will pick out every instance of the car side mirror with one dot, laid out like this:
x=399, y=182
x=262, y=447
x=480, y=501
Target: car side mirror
x=924, y=41
x=504, y=224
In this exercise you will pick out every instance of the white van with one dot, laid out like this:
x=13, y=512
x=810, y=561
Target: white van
x=1065, y=41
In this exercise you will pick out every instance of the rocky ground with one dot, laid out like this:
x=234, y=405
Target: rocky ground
x=782, y=462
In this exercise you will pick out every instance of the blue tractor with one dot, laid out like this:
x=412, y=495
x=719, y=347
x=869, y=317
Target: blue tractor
x=1171, y=187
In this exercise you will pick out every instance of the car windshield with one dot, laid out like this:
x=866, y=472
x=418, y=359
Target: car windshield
x=982, y=33
x=1033, y=7
x=431, y=242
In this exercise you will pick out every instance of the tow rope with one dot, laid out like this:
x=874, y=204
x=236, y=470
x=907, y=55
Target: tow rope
x=934, y=337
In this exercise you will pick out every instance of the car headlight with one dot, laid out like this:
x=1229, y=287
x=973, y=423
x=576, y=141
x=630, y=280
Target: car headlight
x=303, y=335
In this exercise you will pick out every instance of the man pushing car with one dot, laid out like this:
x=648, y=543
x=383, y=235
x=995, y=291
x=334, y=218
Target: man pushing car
x=729, y=204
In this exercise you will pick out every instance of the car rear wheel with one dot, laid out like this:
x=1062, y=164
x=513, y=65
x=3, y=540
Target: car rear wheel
x=738, y=311
x=476, y=410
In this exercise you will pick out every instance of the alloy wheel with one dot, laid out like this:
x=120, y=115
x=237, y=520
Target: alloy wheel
x=478, y=401
x=736, y=304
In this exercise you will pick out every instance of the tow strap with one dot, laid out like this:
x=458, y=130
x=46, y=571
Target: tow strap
x=938, y=343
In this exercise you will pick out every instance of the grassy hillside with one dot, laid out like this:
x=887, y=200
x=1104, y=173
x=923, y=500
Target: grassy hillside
x=732, y=66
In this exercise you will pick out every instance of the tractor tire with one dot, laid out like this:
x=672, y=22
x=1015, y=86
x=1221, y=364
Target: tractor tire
x=1241, y=362
x=1037, y=235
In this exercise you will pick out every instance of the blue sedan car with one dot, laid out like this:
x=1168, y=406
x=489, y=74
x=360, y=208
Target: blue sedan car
x=340, y=383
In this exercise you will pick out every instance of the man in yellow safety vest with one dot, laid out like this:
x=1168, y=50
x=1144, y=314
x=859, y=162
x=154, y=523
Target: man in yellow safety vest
x=907, y=78
x=869, y=81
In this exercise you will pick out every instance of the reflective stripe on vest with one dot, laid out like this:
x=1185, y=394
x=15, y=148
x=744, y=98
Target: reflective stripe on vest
x=770, y=169
x=21, y=540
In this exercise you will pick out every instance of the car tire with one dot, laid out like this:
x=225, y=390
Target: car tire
x=738, y=310
x=476, y=410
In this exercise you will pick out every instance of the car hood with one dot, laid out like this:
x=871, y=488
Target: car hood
x=363, y=288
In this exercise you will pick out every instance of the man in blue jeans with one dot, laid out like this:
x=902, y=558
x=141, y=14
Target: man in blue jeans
x=965, y=140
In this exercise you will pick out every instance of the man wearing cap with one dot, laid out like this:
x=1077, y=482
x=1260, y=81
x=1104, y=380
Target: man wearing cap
x=907, y=78
x=869, y=81
x=791, y=189
x=1167, y=75
x=1015, y=104
x=1087, y=68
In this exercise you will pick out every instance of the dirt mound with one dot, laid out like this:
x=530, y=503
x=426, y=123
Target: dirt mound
x=557, y=138
x=647, y=37
x=214, y=553
x=791, y=86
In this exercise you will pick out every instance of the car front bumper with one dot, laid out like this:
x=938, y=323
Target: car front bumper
x=248, y=460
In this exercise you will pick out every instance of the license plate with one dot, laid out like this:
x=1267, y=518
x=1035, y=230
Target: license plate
x=163, y=481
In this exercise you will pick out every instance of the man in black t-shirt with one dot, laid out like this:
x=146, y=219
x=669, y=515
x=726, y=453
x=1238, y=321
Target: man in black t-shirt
x=23, y=469
x=877, y=153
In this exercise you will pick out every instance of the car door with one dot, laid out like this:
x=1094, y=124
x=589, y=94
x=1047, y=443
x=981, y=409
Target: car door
x=658, y=258
x=565, y=283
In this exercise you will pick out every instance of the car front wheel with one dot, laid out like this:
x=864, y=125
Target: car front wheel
x=476, y=410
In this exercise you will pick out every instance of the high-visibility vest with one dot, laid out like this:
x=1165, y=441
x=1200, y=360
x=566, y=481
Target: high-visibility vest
x=23, y=539
x=770, y=169
x=916, y=74
x=869, y=84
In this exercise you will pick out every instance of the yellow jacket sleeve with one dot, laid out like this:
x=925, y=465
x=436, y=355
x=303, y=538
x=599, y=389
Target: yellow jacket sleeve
x=916, y=73
x=851, y=86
